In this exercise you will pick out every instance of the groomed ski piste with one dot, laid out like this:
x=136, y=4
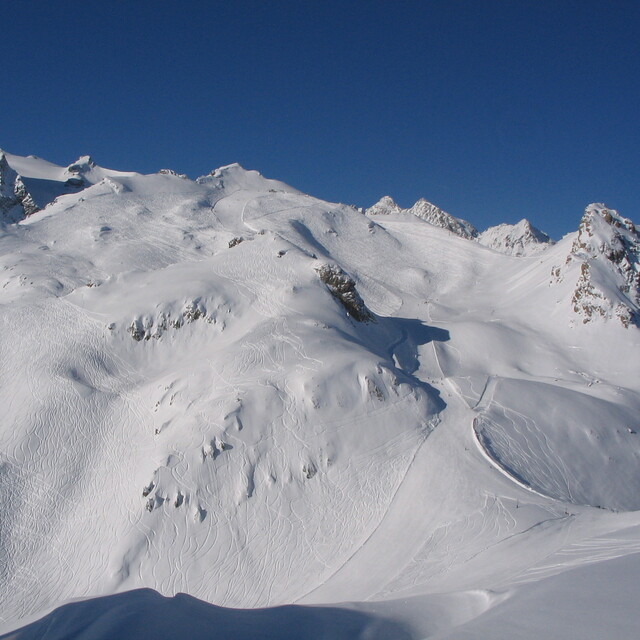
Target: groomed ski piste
x=232, y=410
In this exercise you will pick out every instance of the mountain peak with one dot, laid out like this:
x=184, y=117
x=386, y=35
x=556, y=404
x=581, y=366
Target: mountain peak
x=428, y=212
x=520, y=239
x=81, y=165
x=385, y=206
x=438, y=217
x=607, y=252
x=233, y=168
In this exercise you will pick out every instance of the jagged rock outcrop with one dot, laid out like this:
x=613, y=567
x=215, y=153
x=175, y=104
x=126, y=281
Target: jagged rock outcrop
x=428, y=212
x=171, y=172
x=16, y=203
x=607, y=253
x=343, y=287
x=434, y=215
x=81, y=165
x=521, y=239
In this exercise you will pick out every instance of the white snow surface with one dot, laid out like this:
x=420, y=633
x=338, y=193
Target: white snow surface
x=188, y=408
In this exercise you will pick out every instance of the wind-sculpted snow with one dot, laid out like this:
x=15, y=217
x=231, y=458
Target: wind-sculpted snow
x=234, y=390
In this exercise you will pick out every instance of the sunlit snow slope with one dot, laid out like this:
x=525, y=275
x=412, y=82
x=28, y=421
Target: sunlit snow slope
x=234, y=390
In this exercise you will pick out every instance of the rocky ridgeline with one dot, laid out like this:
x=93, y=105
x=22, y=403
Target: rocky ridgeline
x=521, y=239
x=16, y=202
x=428, y=212
x=607, y=253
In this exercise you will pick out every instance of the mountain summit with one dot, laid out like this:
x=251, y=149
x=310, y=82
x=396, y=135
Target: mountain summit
x=521, y=239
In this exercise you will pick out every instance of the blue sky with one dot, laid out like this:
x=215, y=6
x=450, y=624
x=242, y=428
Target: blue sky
x=493, y=110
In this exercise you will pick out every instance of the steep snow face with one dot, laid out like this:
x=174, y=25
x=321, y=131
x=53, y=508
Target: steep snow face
x=604, y=261
x=234, y=390
x=521, y=239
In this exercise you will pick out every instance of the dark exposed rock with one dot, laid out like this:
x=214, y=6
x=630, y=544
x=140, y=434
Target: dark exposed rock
x=309, y=470
x=343, y=287
x=171, y=172
x=16, y=203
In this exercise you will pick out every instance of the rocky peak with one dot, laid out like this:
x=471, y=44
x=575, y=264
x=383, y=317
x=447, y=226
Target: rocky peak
x=385, y=206
x=521, y=239
x=607, y=252
x=81, y=165
x=603, y=231
x=428, y=212
x=434, y=215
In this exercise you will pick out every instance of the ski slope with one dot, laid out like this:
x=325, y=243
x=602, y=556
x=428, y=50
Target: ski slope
x=190, y=405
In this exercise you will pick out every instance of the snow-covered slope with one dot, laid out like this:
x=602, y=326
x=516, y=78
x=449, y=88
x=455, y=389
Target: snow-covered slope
x=28, y=184
x=234, y=390
x=521, y=239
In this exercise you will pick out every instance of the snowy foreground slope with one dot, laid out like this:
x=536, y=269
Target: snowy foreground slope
x=229, y=389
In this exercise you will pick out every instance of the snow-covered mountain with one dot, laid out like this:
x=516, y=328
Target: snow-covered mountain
x=231, y=389
x=428, y=212
x=521, y=239
x=605, y=255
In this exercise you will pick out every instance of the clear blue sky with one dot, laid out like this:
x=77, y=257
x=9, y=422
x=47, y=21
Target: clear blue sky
x=494, y=110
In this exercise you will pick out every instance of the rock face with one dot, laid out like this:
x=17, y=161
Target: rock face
x=81, y=165
x=428, y=212
x=434, y=215
x=16, y=202
x=606, y=252
x=343, y=287
x=521, y=239
x=171, y=172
